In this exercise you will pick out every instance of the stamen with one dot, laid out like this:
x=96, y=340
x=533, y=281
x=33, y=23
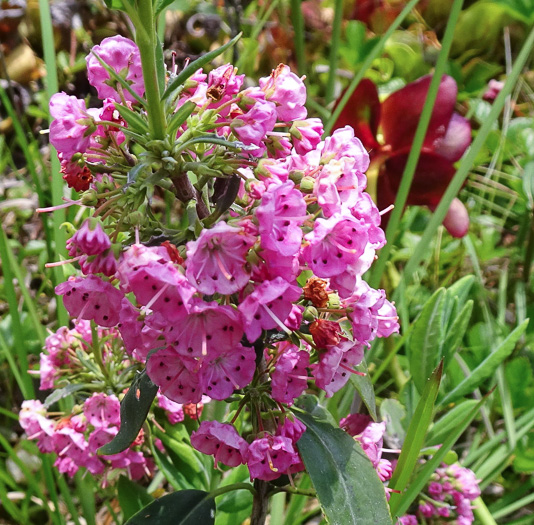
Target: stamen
x=386, y=210
x=276, y=320
x=351, y=370
x=59, y=206
x=221, y=265
x=61, y=263
x=156, y=297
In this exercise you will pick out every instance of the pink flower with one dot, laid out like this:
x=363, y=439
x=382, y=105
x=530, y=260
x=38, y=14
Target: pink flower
x=216, y=261
x=306, y=134
x=334, y=245
x=221, y=441
x=122, y=55
x=91, y=298
x=343, y=144
x=287, y=91
x=102, y=410
x=229, y=371
x=270, y=457
x=251, y=127
x=90, y=239
x=104, y=263
x=70, y=131
x=280, y=214
x=290, y=376
x=171, y=372
x=268, y=306
x=174, y=411
x=292, y=429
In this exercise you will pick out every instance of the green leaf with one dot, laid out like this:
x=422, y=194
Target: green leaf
x=180, y=117
x=160, y=63
x=403, y=501
x=115, y=4
x=487, y=368
x=460, y=291
x=56, y=395
x=415, y=437
x=134, y=120
x=347, y=485
x=364, y=386
x=135, y=172
x=426, y=339
x=132, y=497
x=442, y=428
x=185, y=507
x=134, y=409
x=160, y=5
x=456, y=333
x=197, y=64
x=522, y=10
x=393, y=413
x=214, y=139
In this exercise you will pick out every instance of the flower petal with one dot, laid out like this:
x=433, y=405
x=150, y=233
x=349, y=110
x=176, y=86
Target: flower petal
x=457, y=220
x=401, y=112
x=456, y=140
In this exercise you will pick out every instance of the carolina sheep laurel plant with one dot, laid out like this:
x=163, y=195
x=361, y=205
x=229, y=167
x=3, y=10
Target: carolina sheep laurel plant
x=251, y=293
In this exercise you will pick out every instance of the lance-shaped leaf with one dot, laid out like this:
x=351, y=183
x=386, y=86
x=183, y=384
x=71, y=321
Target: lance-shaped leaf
x=348, y=488
x=134, y=120
x=426, y=339
x=197, y=64
x=364, y=386
x=180, y=117
x=415, y=437
x=486, y=369
x=185, y=507
x=400, y=504
x=134, y=409
x=132, y=497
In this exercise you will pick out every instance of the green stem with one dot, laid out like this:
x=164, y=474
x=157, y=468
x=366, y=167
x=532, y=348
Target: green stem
x=334, y=50
x=294, y=490
x=482, y=513
x=230, y=488
x=97, y=350
x=415, y=151
x=298, y=27
x=146, y=41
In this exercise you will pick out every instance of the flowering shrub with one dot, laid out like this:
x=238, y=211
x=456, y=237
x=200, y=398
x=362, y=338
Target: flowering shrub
x=252, y=293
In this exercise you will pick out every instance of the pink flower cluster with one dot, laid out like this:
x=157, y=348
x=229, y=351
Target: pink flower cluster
x=370, y=436
x=448, y=497
x=75, y=439
x=265, y=300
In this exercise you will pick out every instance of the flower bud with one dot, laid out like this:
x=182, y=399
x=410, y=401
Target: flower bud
x=88, y=198
x=306, y=184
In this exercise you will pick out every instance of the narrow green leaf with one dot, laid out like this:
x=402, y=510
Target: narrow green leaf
x=186, y=507
x=160, y=61
x=487, y=368
x=135, y=172
x=161, y=5
x=180, y=117
x=197, y=64
x=415, y=437
x=134, y=409
x=460, y=291
x=426, y=339
x=442, y=428
x=364, y=386
x=456, y=333
x=134, y=120
x=403, y=501
x=347, y=485
x=60, y=393
x=132, y=497
x=214, y=139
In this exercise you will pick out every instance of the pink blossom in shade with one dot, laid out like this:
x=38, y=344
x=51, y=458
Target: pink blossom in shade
x=444, y=512
x=287, y=91
x=270, y=457
x=48, y=372
x=292, y=429
x=122, y=55
x=408, y=519
x=216, y=261
x=67, y=465
x=268, y=306
x=104, y=263
x=272, y=170
x=82, y=327
x=251, y=127
x=207, y=331
x=222, y=441
x=70, y=131
x=71, y=443
x=306, y=134
x=280, y=215
x=335, y=366
x=343, y=143
x=91, y=298
x=33, y=420
x=290, y=376
x=435, y=489
x=172, y=373
x=294, y=319
x=229, y=371
x=271, y=265
x=465, y=481
x=334, y=245
x=102, y=410
x=355, y=424
x=173, y=411
x=100, y=436
x=427, y=510
x=337, y=187
x=89, y=239
x=493, y=89
x=384, y=469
